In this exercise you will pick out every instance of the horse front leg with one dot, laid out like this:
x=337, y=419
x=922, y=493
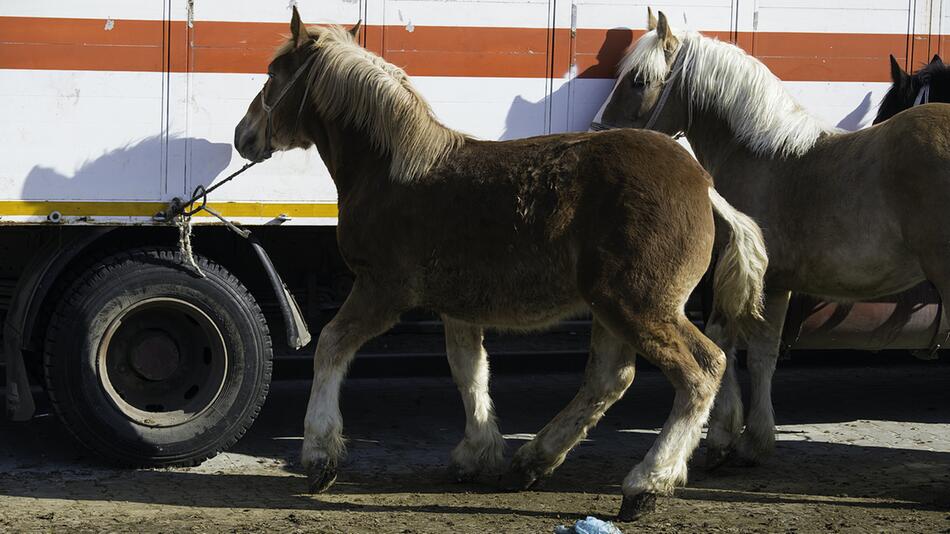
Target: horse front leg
x=758, y=439
x=725, y=419
x=482, y=449
x=363, y=316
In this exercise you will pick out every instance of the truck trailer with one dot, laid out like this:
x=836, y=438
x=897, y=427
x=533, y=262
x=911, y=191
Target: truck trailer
x=113, y=111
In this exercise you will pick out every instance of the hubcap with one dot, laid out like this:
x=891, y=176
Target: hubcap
x=162, y=362
x=156, y=356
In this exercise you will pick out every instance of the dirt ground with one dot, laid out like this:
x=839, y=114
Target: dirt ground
x=861, y=449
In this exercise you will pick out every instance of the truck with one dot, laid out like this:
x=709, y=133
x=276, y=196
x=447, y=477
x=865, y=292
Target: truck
x=115, y=111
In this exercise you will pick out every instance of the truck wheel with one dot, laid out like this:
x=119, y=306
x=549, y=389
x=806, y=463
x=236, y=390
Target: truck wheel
x=149, y=364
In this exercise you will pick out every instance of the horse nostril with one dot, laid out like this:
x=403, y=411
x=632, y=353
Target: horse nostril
x=241, y=138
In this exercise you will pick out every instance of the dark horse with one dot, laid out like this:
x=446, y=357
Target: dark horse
x=512, y=235
x=929, y=84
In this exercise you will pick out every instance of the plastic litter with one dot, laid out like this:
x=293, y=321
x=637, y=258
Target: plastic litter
x=591, y=525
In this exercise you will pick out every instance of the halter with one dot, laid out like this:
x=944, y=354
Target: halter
x=675, y=71
x=269, y=108
x=923, y=96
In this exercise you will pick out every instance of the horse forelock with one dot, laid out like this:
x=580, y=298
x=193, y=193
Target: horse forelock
x=645, y=59
x=362, y=90
x=722, y=78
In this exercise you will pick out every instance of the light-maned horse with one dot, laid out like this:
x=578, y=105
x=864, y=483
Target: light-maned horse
x=511, y=235
x=846, y=216
x=929, y=84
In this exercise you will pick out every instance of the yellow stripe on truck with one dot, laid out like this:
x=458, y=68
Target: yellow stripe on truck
x=13, y=208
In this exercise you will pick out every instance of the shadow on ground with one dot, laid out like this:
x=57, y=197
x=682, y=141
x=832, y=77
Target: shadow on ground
x=401, y=432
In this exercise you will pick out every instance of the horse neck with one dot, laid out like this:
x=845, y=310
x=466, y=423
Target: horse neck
x=739, y=175
x=896, y=100
x=347, y=153
x=713, y=142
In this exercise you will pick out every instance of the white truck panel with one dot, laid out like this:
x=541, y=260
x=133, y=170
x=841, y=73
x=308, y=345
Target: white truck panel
x=82, y=135
x=125, y=142
x=841, y=16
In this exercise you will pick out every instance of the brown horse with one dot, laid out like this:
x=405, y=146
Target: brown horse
x=846, y=216
x=511, y=235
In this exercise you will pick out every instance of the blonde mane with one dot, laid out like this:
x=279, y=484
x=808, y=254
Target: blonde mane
x=362, y=90
x=722, y=78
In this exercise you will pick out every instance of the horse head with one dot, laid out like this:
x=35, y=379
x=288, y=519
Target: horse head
x=929, y=84
x=645, y=83
x=273, y=119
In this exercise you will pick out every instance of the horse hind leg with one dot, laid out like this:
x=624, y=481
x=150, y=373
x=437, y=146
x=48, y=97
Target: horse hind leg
x=482, y=449
x=609, y=372
x=936, y=265
x=362, y=317
x=694, y=365
x=725, y=419
x=758, y=439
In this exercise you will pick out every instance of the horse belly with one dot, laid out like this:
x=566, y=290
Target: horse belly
x=846, y=271
x=521, y=292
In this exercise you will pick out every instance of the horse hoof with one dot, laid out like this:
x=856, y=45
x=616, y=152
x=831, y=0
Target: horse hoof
x=741, y=460
x=516, y=479
x=636, y=506
x=746, y=455
x=717, y=457
x=460, y=474
x=320, y=478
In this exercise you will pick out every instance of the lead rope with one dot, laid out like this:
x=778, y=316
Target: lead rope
x=183, y=211
x=183, y=222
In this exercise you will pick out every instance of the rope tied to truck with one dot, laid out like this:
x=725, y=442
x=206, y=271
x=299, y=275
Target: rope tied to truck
x=181, y=212
x=201, y=193
x=184, y=243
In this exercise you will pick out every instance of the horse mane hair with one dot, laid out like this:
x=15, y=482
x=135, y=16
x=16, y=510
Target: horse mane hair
x=722, y=78
x=364, y=91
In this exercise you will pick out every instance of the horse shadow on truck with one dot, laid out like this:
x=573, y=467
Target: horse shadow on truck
x=141, y=170
x=524, y=116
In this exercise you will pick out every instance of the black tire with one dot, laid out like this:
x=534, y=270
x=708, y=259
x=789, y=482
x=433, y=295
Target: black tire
x=148, y=364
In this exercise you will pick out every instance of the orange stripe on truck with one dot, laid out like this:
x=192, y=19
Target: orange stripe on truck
x=242, y=47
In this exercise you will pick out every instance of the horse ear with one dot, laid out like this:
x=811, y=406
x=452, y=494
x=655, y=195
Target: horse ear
x=298, y=31
x=936, y=61
x=662, y=28
x=355, y=30
x=663, y=31
x=651, y=20
x=897, y=73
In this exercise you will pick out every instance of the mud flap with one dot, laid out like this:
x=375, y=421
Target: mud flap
x=297, y=333
x=19, y=398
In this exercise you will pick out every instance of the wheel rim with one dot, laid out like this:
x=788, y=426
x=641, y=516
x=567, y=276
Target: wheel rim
x=162, y=362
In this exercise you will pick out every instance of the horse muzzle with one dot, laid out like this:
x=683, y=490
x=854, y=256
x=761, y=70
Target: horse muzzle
x=248, y=144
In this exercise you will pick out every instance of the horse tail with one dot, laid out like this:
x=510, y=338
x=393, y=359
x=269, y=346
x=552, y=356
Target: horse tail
x=739, y=276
